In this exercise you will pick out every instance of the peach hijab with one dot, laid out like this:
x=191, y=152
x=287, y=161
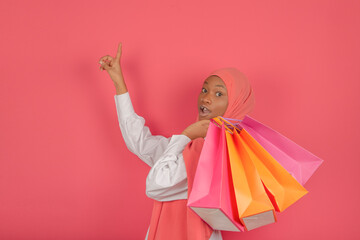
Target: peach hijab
x=241, y=99
x=173, y=219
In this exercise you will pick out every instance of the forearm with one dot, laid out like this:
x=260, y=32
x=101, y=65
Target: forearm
x=120, y=88
x=119, y=84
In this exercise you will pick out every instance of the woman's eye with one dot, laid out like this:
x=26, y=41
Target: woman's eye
x=203, y=90
x=218, y=94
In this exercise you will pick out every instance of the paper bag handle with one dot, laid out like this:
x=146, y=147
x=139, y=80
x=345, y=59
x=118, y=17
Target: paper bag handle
x=220, y=120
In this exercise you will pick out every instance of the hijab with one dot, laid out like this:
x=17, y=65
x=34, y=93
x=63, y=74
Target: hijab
x=241, y=99
x=173, y=219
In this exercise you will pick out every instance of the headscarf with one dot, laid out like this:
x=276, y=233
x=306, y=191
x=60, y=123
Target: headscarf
x=241, y=99
x=173, y=219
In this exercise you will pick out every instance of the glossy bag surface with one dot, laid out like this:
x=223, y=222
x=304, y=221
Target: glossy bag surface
x=212, y=196
x=282, y=189
x=299, y=162
x=254, y=206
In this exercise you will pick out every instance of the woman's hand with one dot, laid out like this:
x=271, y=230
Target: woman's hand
x=197, y=130
x=112, y=66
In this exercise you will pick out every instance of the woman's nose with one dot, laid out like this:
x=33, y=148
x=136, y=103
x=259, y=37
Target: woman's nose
x=207, y=100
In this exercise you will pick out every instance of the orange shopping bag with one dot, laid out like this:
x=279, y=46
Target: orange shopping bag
x=282, y=188
x=253, y=204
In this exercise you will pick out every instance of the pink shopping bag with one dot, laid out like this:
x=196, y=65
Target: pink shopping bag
x=212, y=196
x=299, y=162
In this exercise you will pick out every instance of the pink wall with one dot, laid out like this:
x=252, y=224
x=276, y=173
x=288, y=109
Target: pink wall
x=65, y=172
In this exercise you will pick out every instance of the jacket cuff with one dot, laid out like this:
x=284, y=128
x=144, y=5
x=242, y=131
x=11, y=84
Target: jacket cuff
x=124, y=106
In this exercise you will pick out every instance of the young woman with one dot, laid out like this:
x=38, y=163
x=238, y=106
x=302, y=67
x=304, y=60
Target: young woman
x=225, y=92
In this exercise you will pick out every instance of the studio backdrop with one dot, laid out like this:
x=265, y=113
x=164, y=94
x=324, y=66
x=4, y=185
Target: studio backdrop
x=65, y=171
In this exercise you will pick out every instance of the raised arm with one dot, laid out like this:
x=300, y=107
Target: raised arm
x=167, y=178
x=137, y=136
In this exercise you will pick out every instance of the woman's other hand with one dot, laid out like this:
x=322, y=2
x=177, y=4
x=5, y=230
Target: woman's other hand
x=197, y=130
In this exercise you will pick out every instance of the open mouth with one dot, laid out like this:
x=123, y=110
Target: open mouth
x=204, y=111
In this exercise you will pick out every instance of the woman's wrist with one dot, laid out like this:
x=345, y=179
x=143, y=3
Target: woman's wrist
x=188, y=135
x=120, y=88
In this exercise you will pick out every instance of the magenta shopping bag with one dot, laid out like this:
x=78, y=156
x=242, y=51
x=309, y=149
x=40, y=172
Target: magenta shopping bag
x=212, y=196
x=299, y=162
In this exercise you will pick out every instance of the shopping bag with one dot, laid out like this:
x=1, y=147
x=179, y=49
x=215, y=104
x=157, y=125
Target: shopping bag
x=299, y=162
x=282, y=189
x=212, y=196
x=254, y=206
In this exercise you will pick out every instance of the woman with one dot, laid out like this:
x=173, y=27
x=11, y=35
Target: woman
x=173, y=161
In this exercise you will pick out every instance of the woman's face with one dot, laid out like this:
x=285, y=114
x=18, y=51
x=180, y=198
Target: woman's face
x=213, y=98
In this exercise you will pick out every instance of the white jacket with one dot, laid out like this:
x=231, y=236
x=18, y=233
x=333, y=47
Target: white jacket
x=167, y=180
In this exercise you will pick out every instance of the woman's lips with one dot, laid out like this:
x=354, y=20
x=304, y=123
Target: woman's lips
x=204, y=111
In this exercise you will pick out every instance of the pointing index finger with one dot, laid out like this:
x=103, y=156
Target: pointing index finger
x=118, y=54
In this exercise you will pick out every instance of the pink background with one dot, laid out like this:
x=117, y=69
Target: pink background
x=65, y=172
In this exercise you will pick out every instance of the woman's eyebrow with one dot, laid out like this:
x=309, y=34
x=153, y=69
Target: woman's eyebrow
x=215, y=85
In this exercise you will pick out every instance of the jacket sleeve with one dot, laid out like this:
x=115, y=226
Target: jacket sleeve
x=167, y=179
x=137, y=136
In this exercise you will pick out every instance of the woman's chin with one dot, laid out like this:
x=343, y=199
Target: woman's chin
x=206, y=117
